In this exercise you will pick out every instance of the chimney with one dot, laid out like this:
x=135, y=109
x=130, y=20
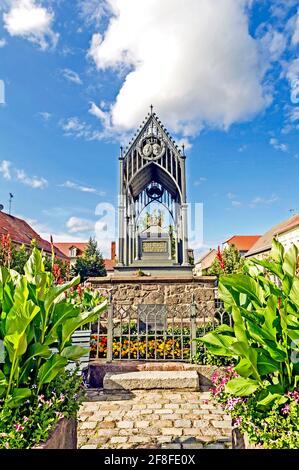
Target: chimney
x=113, y=250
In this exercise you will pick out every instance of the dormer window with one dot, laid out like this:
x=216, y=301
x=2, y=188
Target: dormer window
x=73, y=252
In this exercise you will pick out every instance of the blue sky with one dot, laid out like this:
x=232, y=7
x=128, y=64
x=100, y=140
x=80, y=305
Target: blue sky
x=80, y=75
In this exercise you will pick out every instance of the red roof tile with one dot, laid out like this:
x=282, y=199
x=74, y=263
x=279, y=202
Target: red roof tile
x=243, y=242
x=66, y=246
x=109, y=264
x=21, y=233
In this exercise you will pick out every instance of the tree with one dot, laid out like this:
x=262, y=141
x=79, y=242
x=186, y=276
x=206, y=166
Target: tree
x=91, y=263
x=229, y=261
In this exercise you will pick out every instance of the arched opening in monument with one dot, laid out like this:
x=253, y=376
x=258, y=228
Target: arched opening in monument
x=152, y=176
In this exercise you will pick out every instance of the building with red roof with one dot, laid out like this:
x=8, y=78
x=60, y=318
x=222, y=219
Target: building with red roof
x=74, y=250
x=287, y=232
x=243, y=243
x=21, y=233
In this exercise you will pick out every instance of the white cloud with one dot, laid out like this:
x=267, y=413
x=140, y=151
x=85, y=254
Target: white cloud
x=200, y=181
x=295, y=37
x=91, y=11
x=73, y=127
x=32, y=181
x=207, y=73
x=2, y=42
x=236, y=203
x=84, y=189
x=71, y=76
x=5, y=169
x=45, y=115
x=278, y=145
x=30, y=20
x=45, y=231
x=9, y=172
x=273, y=44
x=77, y=225
x=262, y=200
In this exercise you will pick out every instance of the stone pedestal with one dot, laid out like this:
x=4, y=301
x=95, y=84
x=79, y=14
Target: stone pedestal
x=168, y=290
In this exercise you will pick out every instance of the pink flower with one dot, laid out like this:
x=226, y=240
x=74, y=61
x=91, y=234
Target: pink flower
x=286, y=409
x=19, y=427
x=237, y=421
x=62, y=397
x=59, y=415
x=41, y=398
x=25, y=419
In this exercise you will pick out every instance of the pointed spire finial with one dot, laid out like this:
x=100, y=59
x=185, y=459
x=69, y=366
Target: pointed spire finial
x=183, y=147
x=152, y=108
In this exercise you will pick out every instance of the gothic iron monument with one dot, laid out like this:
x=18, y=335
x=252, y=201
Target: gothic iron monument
x=152, y=173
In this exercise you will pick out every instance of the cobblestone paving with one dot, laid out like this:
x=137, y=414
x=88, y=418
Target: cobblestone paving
x=156, y=419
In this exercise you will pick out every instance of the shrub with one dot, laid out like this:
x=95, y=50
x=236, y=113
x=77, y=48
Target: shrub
x=36, y=326
x=264, y=339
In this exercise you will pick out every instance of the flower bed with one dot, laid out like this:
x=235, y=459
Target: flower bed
x=37, y=390
x=261, y=392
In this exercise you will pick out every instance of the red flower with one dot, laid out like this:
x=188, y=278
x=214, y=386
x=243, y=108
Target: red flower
x=220, y=258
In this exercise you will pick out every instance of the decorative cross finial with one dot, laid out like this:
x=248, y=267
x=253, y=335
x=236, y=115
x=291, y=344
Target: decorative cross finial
x=151, y=106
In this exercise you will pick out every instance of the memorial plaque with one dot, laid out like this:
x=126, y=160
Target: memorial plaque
x=154, y=247
x=152, y=318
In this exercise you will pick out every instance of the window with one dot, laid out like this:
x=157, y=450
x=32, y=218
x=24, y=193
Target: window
x=73, y=252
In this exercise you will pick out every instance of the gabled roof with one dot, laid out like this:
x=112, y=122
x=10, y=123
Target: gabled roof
x=211, y=252
x=265, y=242
x=243, y=242
x=21, y=233
x=66, y=246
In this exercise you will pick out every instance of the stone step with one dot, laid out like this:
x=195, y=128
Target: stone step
x=151, y=380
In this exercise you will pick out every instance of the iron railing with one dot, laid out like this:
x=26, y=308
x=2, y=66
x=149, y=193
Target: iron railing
x=156, y=332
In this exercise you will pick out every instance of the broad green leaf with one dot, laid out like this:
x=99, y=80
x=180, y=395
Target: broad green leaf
x=16, y=344
x=274, y=268
x=277, y=252
x=265, y=364
x=270, y=314
x=73, y=324
x=34, y=265
x=244, y=368
x=294, y=293
x=241, y=387
x=18, y=395
x=290, y=261
x=74, y=352
x=61, y=312
x=3, y=384
x=246, y=352
x=270, y=398
x=55, y=291
x=218, y=344
x=246, y=285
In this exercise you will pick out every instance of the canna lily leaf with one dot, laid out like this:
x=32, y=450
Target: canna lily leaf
x=246, y=285
x=18, y=395
x=50, y=369
x=241, y=387
x=74, y=352
x=56, y=291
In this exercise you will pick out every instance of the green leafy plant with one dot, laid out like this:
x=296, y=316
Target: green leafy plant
x=33, y=420
x=264, y=339
x=36, y=326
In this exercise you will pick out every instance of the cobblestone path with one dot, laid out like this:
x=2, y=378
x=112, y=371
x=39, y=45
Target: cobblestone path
x=156, y=419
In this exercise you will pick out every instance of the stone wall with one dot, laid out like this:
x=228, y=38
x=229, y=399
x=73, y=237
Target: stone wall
x=154, y=290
